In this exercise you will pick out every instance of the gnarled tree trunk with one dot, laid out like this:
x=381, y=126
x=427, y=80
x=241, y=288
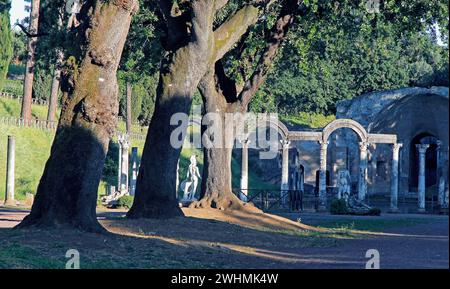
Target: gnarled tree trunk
x=67, y=192
x=180, y=73
x=221, y=95
x=190, y=55
x=216, y=181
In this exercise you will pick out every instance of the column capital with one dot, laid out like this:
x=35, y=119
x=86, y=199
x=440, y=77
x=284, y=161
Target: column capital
x=285, y=143
x=422, y=148
x=364, y=145
x=244, y=141
x=123, y=138
x=324, y=144
x=397, y=146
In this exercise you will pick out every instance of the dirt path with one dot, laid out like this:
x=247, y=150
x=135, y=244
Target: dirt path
x=418, y=246
x=216, y=240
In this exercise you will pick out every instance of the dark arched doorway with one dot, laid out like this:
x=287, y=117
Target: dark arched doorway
x=430, y=161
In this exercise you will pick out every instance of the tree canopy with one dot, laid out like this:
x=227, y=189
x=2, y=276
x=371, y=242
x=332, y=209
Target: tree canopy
x=336, y=50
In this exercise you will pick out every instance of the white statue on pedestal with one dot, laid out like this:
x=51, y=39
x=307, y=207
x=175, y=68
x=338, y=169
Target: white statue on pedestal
x=189, y=186
x=343, y=184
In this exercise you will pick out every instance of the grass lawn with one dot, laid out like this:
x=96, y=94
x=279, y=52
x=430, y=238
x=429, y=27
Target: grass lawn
x=12, y=107
x=33, y=149
x=371, y=225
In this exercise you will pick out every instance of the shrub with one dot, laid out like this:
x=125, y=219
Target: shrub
x=125, y=202
x=16, y=70
x=338, y=207
x=14, y=87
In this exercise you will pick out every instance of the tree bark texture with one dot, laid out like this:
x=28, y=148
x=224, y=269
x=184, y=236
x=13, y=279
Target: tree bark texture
x=29, y=69
x=221, y=95
x=67, y=192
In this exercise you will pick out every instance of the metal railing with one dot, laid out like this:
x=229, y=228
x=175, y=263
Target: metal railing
x=271, y=200
x=19, y=98
x=50, y=125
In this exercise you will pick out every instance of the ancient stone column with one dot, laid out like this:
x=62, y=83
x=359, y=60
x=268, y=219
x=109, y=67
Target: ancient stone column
x=285, y=169
x=119, y=168
x=323, y=176
x=394, y=177
x=124, y=168
x=10, y=167
x=422, y=148
x=362, y=182
x=134, y=170
x=244, y=170
x=440, y=175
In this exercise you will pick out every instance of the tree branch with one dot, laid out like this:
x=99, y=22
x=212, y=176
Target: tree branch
x=176, y=24
x=29, y=35
x=219, y=4
x=277, y=36
x=229, y=33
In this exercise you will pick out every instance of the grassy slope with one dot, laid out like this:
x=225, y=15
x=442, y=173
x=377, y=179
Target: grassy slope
x=309, y=120
x=33, y=149
x=11, y=107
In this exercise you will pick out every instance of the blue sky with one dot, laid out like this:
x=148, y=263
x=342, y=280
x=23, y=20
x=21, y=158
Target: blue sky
x=17, y=11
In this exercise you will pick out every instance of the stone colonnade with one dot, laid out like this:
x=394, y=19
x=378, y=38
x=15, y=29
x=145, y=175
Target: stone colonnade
x=322, y=138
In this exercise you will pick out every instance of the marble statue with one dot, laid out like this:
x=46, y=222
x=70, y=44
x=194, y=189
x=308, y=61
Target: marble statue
x=189, y=186
x=111, y=200
x=343, y=183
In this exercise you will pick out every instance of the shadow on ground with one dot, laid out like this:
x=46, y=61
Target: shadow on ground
x=214, y=239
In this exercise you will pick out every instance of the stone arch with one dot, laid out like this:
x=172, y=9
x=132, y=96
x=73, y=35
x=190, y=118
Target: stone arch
x=283, y=131
x=344, y=123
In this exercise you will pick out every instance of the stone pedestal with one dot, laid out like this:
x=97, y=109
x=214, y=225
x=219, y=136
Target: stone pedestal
x=394, y=177
x=10, y=171
x=362, y=181
x=422, y=148
x=323, y=177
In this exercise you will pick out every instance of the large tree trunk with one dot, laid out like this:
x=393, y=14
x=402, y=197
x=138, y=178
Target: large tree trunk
x=193, y=54
x=180, y=73
x=29, y=70
x=220, y=95
x=156, y=184
x=67, y=192
x=216, y=181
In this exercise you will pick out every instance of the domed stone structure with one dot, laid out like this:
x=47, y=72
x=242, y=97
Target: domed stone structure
x=418, y=116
